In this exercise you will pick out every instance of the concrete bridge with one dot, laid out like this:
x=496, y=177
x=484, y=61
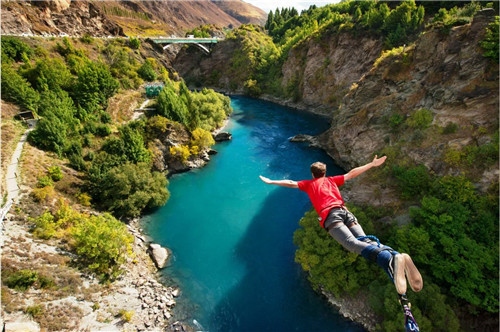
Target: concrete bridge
x=187, y=40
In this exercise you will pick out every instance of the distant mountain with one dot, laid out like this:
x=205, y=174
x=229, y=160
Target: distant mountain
x=102, y=18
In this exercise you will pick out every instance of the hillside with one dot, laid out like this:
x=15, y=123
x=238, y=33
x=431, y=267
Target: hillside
x=118, y=18
x=86, y=94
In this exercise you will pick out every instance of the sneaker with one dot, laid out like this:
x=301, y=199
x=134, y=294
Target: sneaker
x=414, y=277
x=396, y=271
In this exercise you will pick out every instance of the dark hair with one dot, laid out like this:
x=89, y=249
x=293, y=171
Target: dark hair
x=318, y=169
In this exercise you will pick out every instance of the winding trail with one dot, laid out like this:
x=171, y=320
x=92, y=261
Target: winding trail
x=11, y=176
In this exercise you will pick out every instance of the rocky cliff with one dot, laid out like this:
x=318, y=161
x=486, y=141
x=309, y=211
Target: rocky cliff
x=104, y=18
x=327, y=68
x=56, y=17
x=445, y=74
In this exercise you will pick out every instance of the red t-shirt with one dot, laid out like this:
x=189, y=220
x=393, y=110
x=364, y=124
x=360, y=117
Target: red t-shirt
x=324, y=194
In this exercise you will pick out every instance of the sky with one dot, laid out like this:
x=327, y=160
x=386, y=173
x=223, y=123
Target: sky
x=268, y=5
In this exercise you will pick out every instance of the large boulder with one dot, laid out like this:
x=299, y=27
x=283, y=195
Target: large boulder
x=158, y=254
x=223, y=136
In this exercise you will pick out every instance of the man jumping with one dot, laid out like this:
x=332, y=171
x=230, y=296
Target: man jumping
x=343, y=226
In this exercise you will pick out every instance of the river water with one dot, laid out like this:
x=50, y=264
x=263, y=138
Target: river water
x=231, y=235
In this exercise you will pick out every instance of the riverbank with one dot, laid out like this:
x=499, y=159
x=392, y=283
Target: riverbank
x=77, y=300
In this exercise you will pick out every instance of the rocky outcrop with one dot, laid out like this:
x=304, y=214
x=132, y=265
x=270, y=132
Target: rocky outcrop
x=223, y=136
x=104, y=18
x=74, y=18
x=326, y=69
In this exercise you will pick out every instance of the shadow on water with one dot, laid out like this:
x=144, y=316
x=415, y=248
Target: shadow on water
x=279, y=299
x=235, y=261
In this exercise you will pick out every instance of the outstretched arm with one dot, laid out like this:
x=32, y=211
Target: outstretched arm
x=283, y=183
x=361, y=169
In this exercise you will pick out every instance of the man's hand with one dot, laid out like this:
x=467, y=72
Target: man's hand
x=266, y=180
x=361, y=169
x=377, y=162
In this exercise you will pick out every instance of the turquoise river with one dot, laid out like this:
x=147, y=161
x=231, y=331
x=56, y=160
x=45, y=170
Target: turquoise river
x=231, y=235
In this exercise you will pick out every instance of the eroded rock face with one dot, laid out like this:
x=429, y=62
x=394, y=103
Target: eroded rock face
x=443, y=73
x=327, y=68
x=74, y=18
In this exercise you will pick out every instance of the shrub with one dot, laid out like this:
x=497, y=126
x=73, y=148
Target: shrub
x=21, y=280
x=49, y=75
x=134, y=43
x=103, y=244
x=103, y=131
x=146, y=71
x=34, y=310
x=87, y=38
x=45, y=226
x=395, y=121
x=251, y=88
x=14, y=48
x=490, y=41
x=43, y=194
x=450, y=128
x=421, y=119
x=16, y=89
x=171, y=106
x=77, y=162
x=126, y=315
x=128, y=189
x=181, y=152
x=94, y=86
x=412, y=182
x=129, y=146
x=44, y=181
x=55, y=173
x=84, y=199
x=202, y=138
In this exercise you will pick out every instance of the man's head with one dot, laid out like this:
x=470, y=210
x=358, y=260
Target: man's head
x=318, y=169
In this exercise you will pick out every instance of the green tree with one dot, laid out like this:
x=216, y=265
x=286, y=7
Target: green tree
x=16, y=89
x=13, y=48
x=49, y=75
x=147, y=72
x=128, y=147
x=94, y=86
x=103, y=244
x=171, y=106
x=490, y=41
x=49, y=134
x=128, y=189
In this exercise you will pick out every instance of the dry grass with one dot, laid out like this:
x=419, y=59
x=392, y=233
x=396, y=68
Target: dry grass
x=59, y=317
x=121, y=107
x=34, y=163
x=11, y=302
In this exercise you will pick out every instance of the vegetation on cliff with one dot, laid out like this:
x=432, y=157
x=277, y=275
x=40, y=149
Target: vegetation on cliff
x=120, y=163
x=452, y=237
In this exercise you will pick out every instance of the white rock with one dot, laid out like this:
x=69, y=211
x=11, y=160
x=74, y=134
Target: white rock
x=158, y=254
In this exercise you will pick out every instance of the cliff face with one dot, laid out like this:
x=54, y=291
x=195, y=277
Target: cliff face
x=104, y=18
x=327, y=68
x=55, y=17
x=445, y=74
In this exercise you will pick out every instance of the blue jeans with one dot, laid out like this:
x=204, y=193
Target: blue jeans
x=344, y=227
